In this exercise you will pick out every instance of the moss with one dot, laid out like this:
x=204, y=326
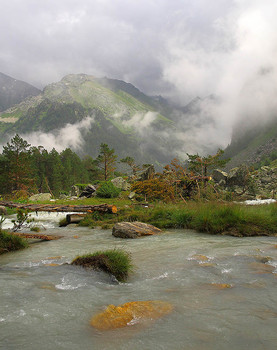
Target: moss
x=9, y=242
x=115, y=262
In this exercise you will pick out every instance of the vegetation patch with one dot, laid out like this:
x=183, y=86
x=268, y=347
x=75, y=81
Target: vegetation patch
x=9, y=242
x=115, y=262
x=207, y=217
x=108, y=190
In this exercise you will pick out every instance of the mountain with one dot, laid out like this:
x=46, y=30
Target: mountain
x=82, y=111
x=13, y=91
x=252, y=142
x=102, y=110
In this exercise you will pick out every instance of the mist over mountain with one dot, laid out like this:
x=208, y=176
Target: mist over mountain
x=82, y=111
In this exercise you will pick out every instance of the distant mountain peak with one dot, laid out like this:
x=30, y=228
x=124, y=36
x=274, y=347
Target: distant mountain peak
x=13, y=91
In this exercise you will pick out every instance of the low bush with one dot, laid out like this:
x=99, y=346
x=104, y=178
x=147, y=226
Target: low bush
x=115, y=262
x=108, y=190
x=10, y=242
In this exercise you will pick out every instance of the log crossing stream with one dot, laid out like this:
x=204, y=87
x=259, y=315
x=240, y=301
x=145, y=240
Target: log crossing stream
x=105, y=208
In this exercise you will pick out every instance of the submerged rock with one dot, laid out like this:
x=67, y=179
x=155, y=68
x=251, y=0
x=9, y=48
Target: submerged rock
x=130, y=313
x=134, y=229
x=200, y=257
x=221, y=285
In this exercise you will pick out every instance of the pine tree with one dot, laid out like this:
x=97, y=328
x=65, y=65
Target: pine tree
x=18, y=170
x=106, y=160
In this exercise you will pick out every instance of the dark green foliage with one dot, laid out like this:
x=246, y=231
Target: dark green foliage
x=115, y=262
x=16, y=171
x=37, y=170
x=106, y=161
x=108, y=190
x=9, y=242
x=203, y=165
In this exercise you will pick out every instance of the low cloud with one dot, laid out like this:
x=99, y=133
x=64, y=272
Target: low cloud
x=140, y=121
x=70, y=136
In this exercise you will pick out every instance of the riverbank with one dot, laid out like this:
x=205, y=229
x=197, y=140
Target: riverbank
x=207, y=217
x=212, y=217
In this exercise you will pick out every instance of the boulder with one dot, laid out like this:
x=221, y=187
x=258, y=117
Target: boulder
x=219, y=175
x=134, y=229
x=130, y=313
x=132, y=195
x=89, y=191
x=238, y=176
x=3, y=210
x=40, y=197
x=120, y=183
x=145, y=174
x=75, y=191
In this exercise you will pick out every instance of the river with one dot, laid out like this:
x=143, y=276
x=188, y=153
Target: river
x=222, y=289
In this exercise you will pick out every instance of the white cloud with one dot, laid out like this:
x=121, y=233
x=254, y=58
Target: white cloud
x=70, y=136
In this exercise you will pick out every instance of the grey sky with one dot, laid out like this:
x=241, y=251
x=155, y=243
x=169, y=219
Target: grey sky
x=42, y=40
x=177, y=48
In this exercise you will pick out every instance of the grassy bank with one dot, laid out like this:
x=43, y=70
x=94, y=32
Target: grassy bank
x=9, y=242
x=209, y=217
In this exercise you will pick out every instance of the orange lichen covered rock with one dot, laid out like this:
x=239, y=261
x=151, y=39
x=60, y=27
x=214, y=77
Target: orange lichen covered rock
x=130, y=313
x=200, y=257
x=221, y=285
x=207, y=264
x=260, y=268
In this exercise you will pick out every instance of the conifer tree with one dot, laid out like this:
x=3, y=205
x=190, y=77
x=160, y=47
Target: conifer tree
x=18, y=170
x=106, y=160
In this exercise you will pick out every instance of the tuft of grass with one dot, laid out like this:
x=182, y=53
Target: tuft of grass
x=9, y=242
x=115, y=262
x=35, y=229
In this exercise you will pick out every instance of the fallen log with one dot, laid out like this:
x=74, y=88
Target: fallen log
x=105, y=208
x=38, y=236
x=74, y=218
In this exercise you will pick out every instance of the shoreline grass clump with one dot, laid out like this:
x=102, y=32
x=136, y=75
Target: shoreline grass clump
x=115, y=262
x=10, y=242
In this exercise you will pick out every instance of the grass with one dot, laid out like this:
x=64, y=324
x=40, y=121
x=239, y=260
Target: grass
x=9, y=242
x=207, y=217
x=115, y=262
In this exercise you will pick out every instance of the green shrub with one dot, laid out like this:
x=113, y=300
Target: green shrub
x=9, y=242
x=108, y=190
x=115, y=262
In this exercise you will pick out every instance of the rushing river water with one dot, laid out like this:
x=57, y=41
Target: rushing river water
x=46, y=304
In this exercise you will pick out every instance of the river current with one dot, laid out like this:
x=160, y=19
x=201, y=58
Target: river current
x=223, y=292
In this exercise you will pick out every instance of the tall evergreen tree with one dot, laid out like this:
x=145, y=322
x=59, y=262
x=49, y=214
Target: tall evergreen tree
x=54, y=172
x=18, y=170
x=106, y=160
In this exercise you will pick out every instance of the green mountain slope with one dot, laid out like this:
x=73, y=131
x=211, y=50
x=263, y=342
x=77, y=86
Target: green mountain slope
x=132, y=126
x=252, y=142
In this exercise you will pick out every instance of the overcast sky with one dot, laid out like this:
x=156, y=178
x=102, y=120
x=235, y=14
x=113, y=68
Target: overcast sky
x=175, y=48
